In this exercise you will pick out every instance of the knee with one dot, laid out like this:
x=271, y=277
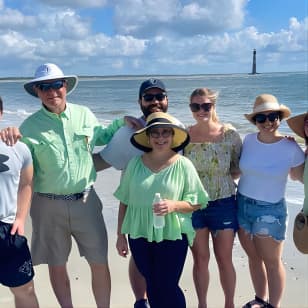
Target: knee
x=201, y=259
x=24, y=291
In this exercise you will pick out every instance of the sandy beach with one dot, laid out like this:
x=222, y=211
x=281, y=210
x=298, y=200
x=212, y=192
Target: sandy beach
x=296, y=264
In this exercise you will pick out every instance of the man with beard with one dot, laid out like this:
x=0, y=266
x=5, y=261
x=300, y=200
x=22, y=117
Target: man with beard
x=152, y=98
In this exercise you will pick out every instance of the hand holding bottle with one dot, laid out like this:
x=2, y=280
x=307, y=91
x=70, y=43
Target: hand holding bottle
x=158, y=219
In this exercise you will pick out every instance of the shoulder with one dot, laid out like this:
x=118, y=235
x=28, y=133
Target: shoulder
x=78, y=108
x=229, y=129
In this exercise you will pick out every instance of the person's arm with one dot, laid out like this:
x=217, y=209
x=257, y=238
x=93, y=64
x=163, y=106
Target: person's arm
x=235, y=156
x=297, y=173
x=166, y=206
x=105, y=134
x=122, y=245
x=23, y=200
x=99, y=162
x=10, y=135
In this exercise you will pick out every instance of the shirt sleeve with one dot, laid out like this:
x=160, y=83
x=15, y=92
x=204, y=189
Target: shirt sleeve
x=104, y=134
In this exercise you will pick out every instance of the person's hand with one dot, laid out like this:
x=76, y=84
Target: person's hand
x=122, y=245
x=10, y=135
x=163, y=207
x=290, y=138
x=133, y=122
x=18, y=226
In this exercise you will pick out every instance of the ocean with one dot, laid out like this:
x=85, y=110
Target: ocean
x=113, y=97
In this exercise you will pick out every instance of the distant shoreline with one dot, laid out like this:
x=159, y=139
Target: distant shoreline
x=84, y=77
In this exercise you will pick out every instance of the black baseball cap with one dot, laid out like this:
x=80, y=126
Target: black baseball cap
x=151, y=83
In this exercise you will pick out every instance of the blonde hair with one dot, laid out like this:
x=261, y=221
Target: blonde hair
x=211, y=95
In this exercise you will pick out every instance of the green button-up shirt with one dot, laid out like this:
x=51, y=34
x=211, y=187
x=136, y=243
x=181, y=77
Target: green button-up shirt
x=61, y=147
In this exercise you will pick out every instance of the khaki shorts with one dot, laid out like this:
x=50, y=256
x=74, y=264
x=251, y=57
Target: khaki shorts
x=55, y=222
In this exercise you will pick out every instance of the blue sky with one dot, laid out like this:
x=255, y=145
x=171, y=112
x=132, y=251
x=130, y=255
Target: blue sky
x=136, y=37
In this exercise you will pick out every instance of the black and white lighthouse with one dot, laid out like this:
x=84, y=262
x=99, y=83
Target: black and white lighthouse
x=254, y=63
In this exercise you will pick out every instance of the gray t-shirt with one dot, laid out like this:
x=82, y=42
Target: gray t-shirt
x=12, y=160
x=119, y=151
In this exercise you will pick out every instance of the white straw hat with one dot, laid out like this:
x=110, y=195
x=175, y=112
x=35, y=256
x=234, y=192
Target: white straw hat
x=50, y=71
x=267, y=102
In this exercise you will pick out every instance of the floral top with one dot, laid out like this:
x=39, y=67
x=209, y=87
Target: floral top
x=178, y=181
x=215, y=161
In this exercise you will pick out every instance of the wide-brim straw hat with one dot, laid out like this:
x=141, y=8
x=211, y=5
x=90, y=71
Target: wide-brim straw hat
x=267, y=102
x=50, y=71
x=297, y=124
x=300, y=232
x=161, y=119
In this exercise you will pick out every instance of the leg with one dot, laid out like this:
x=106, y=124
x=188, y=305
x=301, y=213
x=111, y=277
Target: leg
x=101, y=284
x=270, y=251
x=223, y=245
x=137, y=283
x=61, y=285
x=25, y=296
x=256, y=265
x=201, y=254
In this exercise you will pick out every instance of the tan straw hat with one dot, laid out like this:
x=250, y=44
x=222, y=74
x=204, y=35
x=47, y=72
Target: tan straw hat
x=50, y=71
x=267, y=102
x=297, y=124
x=161, y=119
x=300, y=232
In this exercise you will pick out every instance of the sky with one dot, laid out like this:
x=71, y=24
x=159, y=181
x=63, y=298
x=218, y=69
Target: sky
x=153, y=37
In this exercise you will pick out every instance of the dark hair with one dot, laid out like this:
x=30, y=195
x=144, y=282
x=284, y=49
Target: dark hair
x=1, y=105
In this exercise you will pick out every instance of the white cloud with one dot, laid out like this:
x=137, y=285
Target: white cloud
x=162, y=36
x=76, y=3
x=151, y=18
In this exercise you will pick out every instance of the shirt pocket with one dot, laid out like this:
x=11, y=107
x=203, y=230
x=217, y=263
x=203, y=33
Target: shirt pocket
x=82, y=141
x=49, y=154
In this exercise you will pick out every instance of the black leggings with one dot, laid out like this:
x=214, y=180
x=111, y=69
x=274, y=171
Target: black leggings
x=161, y=264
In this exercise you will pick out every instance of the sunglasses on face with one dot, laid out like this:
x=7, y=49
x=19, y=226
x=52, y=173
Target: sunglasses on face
x=159, y=97
x=272, y=117
x=165, y=133
x=55, y=85
x=195, y=107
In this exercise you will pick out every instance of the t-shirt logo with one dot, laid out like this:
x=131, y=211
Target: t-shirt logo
x=3, y=167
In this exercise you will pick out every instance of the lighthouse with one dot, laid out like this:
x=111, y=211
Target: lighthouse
x=254, y=63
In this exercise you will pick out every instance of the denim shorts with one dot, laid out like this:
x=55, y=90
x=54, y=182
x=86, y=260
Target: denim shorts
x=220, y=214
x=263, y=218
x=15, y=261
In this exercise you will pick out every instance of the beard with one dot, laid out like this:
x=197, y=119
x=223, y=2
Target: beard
x=147, y=110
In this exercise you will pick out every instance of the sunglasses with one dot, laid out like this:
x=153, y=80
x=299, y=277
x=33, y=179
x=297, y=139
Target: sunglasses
x=195, y=107
x=159, y=97
x=157, y=134
x=272, y=117
x=55, y=85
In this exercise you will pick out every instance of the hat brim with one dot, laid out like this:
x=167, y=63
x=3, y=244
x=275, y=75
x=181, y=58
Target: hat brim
x=286, y=112
x=296, y=123
x=180, y=138
x=71, y=80
x=300, y=233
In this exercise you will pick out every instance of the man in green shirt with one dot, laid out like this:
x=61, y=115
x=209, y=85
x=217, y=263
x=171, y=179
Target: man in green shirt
x=61, y=137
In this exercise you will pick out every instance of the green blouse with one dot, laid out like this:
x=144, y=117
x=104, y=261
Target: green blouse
x=137, y=188
x=215, y=161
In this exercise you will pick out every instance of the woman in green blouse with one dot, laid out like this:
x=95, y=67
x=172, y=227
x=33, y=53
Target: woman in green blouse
x=159, y=253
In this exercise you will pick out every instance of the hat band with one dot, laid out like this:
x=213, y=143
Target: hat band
x=267, y=106
x=159, y=120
